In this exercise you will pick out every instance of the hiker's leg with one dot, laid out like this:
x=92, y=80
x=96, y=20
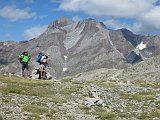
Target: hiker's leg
x=23, y=73
x=40, y=71
x=23, y=70
x=28, y=70
x=40, y=75
x=44, y=75
x=44, y=72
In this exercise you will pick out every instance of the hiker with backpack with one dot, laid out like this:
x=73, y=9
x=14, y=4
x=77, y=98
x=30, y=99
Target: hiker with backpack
x=42, y=60
x=24, y=59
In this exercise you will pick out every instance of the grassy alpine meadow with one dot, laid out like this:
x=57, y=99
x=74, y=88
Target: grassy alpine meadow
x=23, y=86
x=30, y=99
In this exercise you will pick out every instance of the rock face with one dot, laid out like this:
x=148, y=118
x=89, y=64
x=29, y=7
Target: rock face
x=81, y=46
x=133, y=58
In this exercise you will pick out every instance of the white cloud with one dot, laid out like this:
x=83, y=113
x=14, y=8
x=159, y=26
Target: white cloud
x=148, y=22
x=29, y=1
x=34, y=31
x=145, y=13
x=151, y=18
x=76, y=18
x=137, y=27
x=115, y=24
x=115, y=8
x=14, y=14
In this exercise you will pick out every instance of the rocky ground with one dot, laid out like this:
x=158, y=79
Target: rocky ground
x=145, y=70
x=69, y=99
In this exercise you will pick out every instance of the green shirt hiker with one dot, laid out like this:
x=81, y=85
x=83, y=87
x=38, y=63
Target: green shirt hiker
x=24, y=58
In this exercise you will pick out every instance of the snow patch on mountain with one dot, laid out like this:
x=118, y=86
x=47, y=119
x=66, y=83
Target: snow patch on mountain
x=142, y=46
x=65, y=69
x=65, y=57
x=65, y=66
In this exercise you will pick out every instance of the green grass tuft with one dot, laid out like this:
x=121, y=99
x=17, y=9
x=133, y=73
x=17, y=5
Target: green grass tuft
x=1, y=118
x=106, y=116
x=85, y=109
x=40, y=110
x=146, y=84
x=137, y=97
x=26, y=90
x=25, y=87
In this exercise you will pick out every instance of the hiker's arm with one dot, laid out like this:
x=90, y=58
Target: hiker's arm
x=47, y=63
x=20, y=58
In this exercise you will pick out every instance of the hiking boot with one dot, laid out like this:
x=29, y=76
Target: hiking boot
x=30, y=76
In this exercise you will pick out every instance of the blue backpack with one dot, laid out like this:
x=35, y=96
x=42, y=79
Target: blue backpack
x=39, y=57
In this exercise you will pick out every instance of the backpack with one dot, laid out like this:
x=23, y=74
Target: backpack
x=39, y=57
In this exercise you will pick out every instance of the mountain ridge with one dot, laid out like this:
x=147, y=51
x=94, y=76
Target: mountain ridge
x=82, y=46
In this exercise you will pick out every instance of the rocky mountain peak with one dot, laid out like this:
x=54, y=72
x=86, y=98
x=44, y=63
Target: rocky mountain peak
x=132, y=38
x=89, y=20
x=90, y=26
x=60, y=22
x=103, y=25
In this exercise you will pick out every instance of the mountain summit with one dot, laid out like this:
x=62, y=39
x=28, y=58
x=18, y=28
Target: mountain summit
x=76, y=47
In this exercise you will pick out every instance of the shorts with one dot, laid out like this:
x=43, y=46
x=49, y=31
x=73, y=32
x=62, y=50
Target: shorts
x=25, y=66
x=42, y=67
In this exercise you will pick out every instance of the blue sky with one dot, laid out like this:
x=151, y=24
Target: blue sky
x=26, y=19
